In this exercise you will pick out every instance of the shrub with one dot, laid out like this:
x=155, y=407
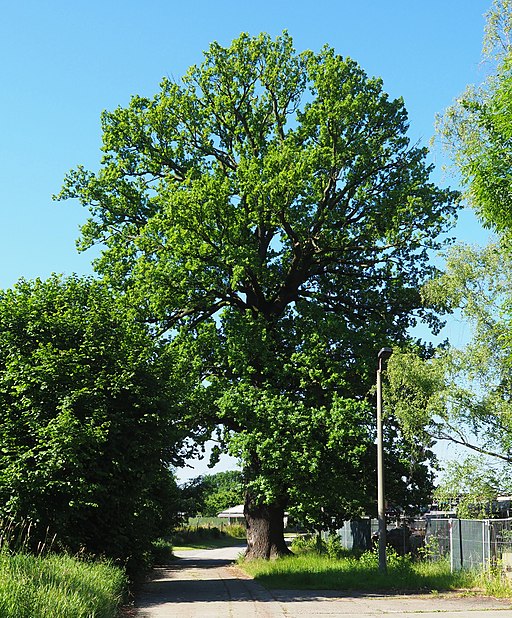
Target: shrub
x=86, y=424
x=309, y=543
x=161, y=551
x=237, y=531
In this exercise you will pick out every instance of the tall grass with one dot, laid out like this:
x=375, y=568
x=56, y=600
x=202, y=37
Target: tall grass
x=313, y=571
x=205, y=537
x=58, y=586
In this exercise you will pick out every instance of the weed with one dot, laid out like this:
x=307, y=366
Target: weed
x=309, y=543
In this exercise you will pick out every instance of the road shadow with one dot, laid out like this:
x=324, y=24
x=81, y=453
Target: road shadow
x=161, y=591
x=197, y=563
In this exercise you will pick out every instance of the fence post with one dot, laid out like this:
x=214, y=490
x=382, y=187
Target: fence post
x=460, y=544
x=451, y=544
x=485, y=523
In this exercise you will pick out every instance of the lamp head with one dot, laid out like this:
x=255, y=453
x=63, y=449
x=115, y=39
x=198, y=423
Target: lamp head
x=384, y=353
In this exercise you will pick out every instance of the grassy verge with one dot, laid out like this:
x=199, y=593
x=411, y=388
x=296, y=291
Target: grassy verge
x=319, y=572
x=58, y=586
x=210, y=537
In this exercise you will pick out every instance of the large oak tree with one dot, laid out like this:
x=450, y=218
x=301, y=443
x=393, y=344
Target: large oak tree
x=272, y=218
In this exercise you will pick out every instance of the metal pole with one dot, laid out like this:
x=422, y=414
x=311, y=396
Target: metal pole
x=461, y=544
x=381, y=507
x=452, y=559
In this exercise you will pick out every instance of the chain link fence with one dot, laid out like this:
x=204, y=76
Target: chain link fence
x=467, y=543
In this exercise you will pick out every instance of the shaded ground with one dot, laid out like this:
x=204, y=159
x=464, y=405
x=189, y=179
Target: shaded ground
x=206, y=584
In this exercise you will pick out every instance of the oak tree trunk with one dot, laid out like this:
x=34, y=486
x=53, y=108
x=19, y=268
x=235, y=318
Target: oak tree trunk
x=265, y=531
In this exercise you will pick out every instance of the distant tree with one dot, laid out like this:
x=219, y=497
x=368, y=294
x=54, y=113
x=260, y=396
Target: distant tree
x=221, y=491
x=86, y=426
x=210, y=494
x=471, y=486
x=271, y=216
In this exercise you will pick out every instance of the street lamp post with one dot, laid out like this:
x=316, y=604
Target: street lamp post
x=383, y=355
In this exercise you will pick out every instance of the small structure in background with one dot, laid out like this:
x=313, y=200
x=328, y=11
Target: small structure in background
x=234, y=515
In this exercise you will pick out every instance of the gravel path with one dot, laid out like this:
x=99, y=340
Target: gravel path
x=206, y=584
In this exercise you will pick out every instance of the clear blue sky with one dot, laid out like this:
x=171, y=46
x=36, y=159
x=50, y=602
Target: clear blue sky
x=62, y=63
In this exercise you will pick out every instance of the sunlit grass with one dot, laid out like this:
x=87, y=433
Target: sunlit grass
x=58, y=586
x=312, y=571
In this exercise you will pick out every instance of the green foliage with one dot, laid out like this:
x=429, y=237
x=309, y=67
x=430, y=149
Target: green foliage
x=265, y=178
x=306, y=543
x=211, y=494
x=237, y=531
x=270, y=214
x=473, y=485
x=59, y=586
x=314, y=543
x=478, y=127
x=495, y=584
x=463, y=395
x=335, y=547
x=474, y=400
x=204, y=537
x=161, y=552
x=221, y=491
x=297, y=446
x=85, y=426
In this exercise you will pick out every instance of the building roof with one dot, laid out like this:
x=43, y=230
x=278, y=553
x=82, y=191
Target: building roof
x=234, y=511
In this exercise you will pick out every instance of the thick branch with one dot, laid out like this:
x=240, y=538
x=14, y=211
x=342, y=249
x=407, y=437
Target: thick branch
x=474, y=447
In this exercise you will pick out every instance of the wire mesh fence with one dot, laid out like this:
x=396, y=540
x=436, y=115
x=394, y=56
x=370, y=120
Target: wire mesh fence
x=500, y=537
x=467, y=543
x=357, y=535
x=470, y=543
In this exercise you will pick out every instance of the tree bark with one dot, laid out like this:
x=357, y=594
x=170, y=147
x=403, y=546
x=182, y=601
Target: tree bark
x=265, y=531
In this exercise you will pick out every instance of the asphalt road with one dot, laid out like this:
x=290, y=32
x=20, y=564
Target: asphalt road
x=206, y=584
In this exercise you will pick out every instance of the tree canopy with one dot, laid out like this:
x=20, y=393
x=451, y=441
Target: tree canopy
x=86, y=419
x=266, y=178
x=477, y=128
x=273, y=220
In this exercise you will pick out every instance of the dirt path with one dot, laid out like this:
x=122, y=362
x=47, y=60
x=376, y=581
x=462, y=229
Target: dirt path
x=206, y=584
